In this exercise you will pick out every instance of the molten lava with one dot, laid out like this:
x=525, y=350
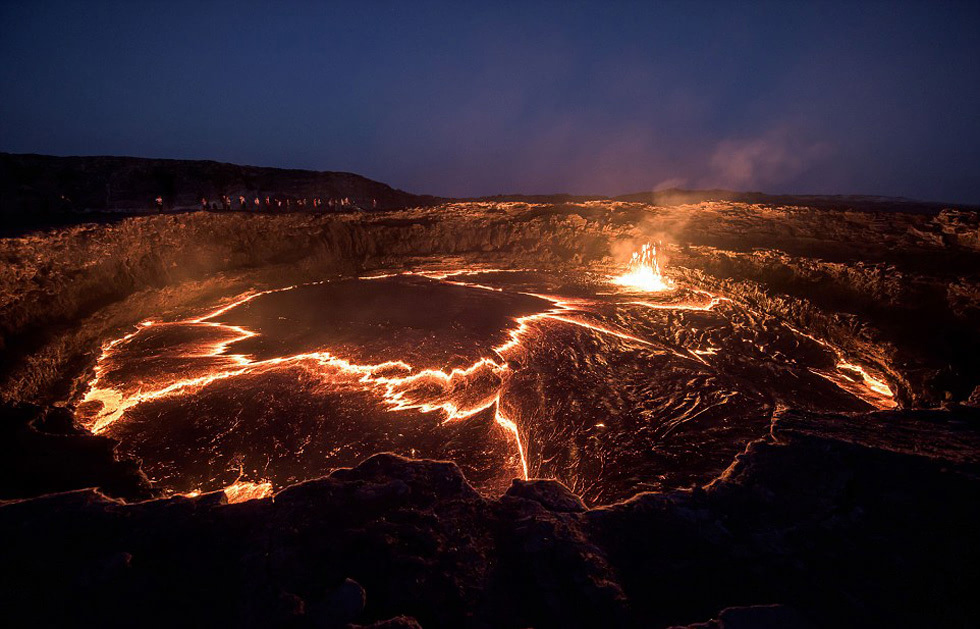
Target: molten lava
x=487, y=367
x=241, y=491
x=644, y=272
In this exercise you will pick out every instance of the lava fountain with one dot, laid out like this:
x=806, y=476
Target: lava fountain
x=644, y=272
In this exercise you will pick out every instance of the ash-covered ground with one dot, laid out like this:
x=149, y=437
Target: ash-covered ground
x=790, y=432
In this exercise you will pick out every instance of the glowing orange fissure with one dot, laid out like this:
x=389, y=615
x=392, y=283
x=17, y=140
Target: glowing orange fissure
x=871, y=388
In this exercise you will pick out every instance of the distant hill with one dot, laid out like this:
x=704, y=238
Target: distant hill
x=37, y=190
x=678, y=196
x=539, y=198
x=43, y=190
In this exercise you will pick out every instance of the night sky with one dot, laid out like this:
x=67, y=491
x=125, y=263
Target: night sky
x=448, y=98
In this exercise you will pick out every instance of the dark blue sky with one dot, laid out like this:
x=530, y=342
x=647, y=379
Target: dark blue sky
x=451, y=99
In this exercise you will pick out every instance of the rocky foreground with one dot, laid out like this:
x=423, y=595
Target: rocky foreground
x=829, y=521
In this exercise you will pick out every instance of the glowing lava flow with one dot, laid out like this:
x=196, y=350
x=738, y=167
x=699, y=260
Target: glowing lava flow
x=871, y=389
x=556, y=313
x=456, y=394
x=644, y=272
x=713, y=301
x=509, y=425
x=459, y=393
x=114, y=403
x=241, y=491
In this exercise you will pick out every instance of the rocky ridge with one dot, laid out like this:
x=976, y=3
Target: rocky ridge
x=871, y=283
x=41, y=190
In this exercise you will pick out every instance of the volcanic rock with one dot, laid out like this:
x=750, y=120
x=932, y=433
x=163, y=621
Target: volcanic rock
x=755, y=617
x=399, y=622
x=817, y=519
x=41, y=452
x=550, y=494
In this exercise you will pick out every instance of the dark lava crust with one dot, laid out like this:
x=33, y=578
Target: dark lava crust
x=828, y=521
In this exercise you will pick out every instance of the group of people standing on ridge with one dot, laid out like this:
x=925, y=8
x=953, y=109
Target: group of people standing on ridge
x=272, y=204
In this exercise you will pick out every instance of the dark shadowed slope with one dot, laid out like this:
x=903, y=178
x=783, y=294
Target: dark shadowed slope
x=41, y=190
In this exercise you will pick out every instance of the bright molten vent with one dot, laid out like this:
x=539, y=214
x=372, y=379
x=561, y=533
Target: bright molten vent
x=644, y=272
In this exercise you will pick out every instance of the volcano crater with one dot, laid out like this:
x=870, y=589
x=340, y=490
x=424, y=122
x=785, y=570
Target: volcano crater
x=611, y=391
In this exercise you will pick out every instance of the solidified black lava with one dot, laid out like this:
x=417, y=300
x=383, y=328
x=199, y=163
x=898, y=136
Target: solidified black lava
x=424, y=322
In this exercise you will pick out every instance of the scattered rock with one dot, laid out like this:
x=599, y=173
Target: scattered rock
x=339, y=607
x=399, y=622
x=34, y=461
x=550, y=494
x=755, y=617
